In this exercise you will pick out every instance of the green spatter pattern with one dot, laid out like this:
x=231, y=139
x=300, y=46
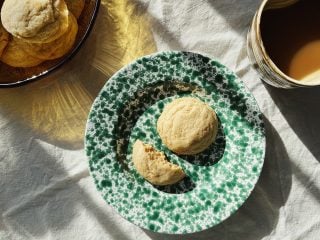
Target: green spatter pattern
x=128, y=107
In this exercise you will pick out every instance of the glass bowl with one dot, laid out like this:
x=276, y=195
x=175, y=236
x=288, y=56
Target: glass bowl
x=15, y=76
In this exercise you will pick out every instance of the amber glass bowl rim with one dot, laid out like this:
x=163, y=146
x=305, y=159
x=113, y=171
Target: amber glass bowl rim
x=65, y=59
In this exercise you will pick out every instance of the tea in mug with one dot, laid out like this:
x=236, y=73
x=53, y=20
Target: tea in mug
x=291, y=37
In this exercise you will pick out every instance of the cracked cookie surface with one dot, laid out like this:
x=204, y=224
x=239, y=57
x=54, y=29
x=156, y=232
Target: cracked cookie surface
x=56, y=48
x=35, y=20
x=153, y=165
x=187, y=126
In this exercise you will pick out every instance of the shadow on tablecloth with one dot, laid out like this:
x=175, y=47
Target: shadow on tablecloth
x=259, y=215
x=231, y=9
x=300, y=107
x=40, y=196
x=56, y=108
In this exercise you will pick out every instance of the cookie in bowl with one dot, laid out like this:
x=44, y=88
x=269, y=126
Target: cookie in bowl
x=49, y=53
x=56, y=48
x=4, y=39
x=38, y=30
x=15, y=56
x=35, y=20
x=75, y=7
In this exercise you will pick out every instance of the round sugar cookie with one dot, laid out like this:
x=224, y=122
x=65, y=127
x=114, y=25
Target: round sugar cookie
x=187, y=126
x=15, y=56
x=35, y=20
x=56, y=48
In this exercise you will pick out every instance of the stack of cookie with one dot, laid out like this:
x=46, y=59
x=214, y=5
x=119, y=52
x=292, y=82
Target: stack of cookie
x=33, y=31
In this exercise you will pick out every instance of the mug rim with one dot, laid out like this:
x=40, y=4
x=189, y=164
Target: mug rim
x=266, y=56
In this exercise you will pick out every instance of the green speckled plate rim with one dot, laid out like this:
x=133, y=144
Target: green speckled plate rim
x=129, y=195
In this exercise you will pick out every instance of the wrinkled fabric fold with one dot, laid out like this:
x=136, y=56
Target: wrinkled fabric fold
x=46, y=191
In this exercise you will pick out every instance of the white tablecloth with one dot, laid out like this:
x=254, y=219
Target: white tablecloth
x=45, y=188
